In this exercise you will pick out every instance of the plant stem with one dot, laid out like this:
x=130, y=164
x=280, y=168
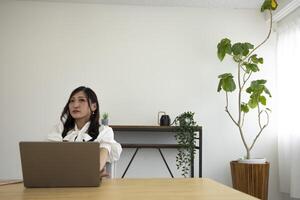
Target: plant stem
x=243, y=119
x=259, y=113
x=226, y=110
x=240, y=93
x=239, y=109
x=246, y=79
x=261, y=127
x=241, y=86
x=268, y=36
x=244, y=142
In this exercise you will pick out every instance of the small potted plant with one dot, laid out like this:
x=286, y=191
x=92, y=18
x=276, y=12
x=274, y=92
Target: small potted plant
x=245, y=177
x=104, y=120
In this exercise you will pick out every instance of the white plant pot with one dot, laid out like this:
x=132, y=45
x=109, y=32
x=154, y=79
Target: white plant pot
x=253, y=161
x=104, y=122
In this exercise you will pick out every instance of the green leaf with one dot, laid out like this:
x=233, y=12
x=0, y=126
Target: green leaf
x=267, y=92
x=245, y=52
x=228, y=85
x=237, y=58
x=251, y=67
x=249, y=90
x=249, y=45
x=256, y=87
x=244, y=108
x=256, y=60
x=263, y=100
x=266, y=5
x=241, y=48
x=252, y=103
x=246, y=47
x=260, y=82
x=219, y=85
x=224, y=47
x=237, y=49
x=226, y=75
x=226, y=82
x=269, y=5
x=256, y=90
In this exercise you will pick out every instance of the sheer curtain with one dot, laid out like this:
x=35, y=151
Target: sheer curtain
x=288, y=55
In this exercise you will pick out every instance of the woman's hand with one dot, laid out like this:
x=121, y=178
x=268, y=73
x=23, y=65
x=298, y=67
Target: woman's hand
x=103, y=173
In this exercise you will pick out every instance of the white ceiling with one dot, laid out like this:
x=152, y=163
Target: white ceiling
x=249, y=4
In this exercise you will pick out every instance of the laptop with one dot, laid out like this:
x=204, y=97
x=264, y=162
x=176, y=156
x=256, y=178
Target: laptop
x=60, y=164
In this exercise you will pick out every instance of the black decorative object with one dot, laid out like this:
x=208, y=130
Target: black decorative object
x=164, y=120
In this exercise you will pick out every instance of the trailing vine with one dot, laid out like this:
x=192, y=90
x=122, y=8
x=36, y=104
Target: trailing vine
x=185, y=137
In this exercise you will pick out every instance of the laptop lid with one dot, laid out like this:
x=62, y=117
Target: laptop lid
x=60, y=164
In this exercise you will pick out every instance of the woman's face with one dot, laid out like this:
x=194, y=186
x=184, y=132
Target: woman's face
x=79, y=107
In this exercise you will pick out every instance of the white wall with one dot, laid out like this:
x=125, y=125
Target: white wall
x=139, y=60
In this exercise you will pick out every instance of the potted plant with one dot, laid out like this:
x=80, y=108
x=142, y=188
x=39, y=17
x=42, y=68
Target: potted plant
x=248, y=63
x=185, y=137
x=104, y=120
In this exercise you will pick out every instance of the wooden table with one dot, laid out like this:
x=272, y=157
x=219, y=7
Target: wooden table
x=131, y=189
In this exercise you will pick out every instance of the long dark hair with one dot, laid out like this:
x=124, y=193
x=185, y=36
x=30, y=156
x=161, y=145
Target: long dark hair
x=69, y=121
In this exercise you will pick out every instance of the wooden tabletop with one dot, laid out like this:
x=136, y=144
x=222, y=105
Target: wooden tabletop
x=131, y=189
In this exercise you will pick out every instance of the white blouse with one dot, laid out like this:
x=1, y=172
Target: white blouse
x=105, y=138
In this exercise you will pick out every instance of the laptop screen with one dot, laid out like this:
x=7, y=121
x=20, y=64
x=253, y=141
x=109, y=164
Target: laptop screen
x=60, y=164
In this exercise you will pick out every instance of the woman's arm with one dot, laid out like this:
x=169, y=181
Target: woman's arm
x=106, y=140
x=103, y=157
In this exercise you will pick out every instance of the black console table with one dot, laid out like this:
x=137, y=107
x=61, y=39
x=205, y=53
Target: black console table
x=120, y=128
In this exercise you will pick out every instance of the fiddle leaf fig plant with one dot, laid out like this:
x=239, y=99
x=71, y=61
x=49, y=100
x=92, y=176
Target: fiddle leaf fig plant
x=253, y=96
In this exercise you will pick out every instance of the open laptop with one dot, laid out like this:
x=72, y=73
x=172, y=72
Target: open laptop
x=60, y=164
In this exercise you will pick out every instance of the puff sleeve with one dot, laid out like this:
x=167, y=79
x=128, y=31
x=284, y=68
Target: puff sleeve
x=107, y=141
x=55, y=134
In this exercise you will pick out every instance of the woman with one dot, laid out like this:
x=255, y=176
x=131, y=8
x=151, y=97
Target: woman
x=80, y=123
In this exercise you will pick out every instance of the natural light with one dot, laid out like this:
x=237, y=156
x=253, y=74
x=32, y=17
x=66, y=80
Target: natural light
x=288, y=55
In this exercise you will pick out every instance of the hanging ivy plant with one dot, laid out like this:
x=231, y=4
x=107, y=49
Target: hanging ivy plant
x=186, y=128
